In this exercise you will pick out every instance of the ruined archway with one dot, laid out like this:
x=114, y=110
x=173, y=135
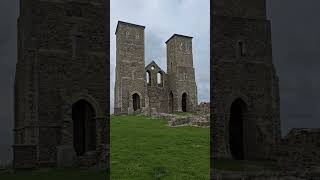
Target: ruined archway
x=236, y=129
x=184, y=102
x=171, y=102
x=136, y=101
x=84, y=127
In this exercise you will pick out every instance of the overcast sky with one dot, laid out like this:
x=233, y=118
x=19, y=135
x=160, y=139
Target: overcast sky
x=296, y=51
x=162, y=19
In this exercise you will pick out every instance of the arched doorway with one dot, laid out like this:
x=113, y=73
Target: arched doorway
x=136, y=101
x=236, y=129
x=184, y=102
x=84, y=127
x=171, y=102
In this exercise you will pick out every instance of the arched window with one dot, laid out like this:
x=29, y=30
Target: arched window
x=159, y=78
x=148, y=74
x=241, y=49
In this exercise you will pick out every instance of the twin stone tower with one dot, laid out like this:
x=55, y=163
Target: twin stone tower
x=140, y=88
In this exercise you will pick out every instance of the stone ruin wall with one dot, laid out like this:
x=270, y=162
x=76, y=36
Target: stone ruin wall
x=300, y=150
x=246, y=75
x=203, y=108
x=158, y=93
x=61, y=57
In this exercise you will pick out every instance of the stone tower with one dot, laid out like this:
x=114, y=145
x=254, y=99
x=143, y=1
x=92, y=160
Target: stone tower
x=130, y=86
x=181, y=74
x=61, y=89
x=245, y=94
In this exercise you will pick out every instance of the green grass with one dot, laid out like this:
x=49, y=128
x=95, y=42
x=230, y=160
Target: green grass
x=147, y=149
x=55, y=174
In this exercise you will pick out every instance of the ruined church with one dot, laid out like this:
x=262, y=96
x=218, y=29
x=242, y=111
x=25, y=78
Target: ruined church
x=140, y=88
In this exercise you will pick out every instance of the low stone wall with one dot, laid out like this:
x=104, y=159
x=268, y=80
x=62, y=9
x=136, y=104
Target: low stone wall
x=300, y=151
x=203, y=108
x=232, y=175
x=178, y=120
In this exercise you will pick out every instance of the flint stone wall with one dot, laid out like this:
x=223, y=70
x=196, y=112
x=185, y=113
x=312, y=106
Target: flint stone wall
x=188, y=120
x=203, y=108
x=62, y=58
x=242, y=69
x=300, y=150
x=263, y=175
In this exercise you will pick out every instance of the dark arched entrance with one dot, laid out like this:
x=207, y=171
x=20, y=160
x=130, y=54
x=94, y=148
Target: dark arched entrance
x=171, y=102
x=236, y=129
x=84, y=127
x=184, y=102
x=136, y=101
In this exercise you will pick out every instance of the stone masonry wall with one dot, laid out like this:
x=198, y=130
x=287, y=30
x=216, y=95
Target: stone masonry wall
x=181, y=72
x=243, y=70
x=252, y=9
x=203, y=108
x=130, y=74
x=157, y=90
x=66, y=51
x=300, y=150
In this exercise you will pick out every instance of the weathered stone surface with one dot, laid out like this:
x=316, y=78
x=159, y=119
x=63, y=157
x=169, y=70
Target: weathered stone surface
x=148, y=87
x=89, y=159
x=203, y=108
x=66, y=156
x=25, y=156
x=300, y=151
x=188, y=120
x=244, y=88
x=232, y=175
x=62, y=59
x=245, y=114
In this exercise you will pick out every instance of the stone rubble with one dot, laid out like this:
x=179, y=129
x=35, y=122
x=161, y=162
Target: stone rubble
x=184, y=120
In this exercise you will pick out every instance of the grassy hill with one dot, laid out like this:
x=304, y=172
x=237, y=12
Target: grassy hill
x=144, y=148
